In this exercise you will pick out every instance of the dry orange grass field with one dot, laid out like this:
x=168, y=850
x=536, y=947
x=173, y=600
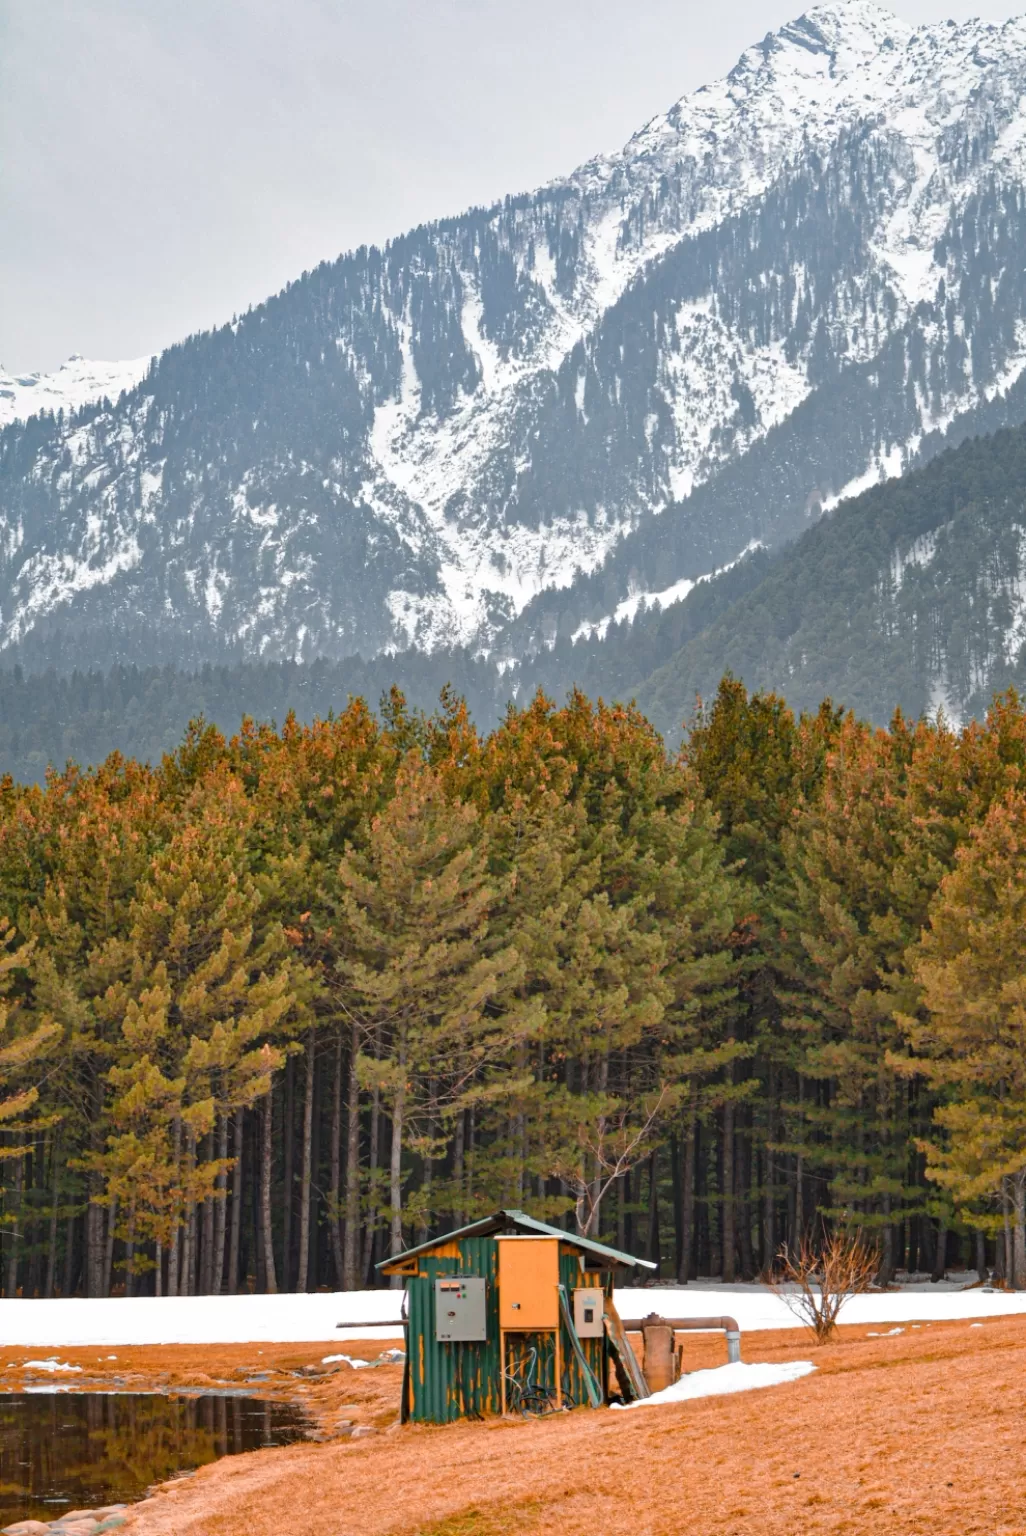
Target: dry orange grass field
x=921, y=1432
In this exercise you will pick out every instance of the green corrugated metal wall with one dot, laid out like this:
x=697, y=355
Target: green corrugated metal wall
x=456, y=1381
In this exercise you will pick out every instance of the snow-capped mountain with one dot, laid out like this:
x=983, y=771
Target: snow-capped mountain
x=509, y=427
x=80, y=381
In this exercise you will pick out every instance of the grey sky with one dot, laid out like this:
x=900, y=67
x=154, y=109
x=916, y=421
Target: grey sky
x=164, y=163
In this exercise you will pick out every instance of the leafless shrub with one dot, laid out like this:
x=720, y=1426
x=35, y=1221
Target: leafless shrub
x=826, y=1273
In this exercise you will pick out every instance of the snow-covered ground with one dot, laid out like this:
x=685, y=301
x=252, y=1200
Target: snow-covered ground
x=198, y=1319
x=315, y=1318
x=756, y=1307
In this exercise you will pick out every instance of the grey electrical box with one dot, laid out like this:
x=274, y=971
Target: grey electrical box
x=460, y=1316
x=588, y=1303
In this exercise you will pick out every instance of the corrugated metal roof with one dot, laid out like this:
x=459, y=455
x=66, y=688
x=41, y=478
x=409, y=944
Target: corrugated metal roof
x=490, y=1224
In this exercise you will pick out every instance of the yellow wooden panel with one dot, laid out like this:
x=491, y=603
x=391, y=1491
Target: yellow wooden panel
x=528, y=1277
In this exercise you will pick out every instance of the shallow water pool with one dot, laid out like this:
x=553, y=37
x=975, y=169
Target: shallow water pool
x=85, y=1449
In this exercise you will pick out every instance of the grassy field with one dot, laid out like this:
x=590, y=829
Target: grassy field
x=919, y=1431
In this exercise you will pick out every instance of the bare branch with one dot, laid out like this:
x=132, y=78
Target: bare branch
x=826, y=1275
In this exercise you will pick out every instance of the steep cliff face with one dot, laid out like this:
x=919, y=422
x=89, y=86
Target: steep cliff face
x=504, y=427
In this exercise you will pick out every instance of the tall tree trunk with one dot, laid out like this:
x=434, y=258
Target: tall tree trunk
x=220, y=1208
x=769, y=1231
x=351, y=1254
x=69, y=1255
x=158, y=1267
x=307, y=1173
x=395, y=1167
x=885, y=1274
x=687, y=1201
x=799, y=1176
x=256, y=1163
x=621, y=1214
x=15, y=1234
x=205, y=1230
x=652, y=1235
x=629, y=1180
x=35, y=1287
x=94, y=1241
x=288, y=1147
x=94, y=1224
x=677, y=1188
x=520, y=1127
x=174, y=1249
x=940, y=1250
x=728, y=1263
x=130, y=1253
x=238, y=1191
x=427, y=1177
x=108, y=1249
x=701, y=1214
x=371, y=1225
x=743, y=1186
x=187, y=1272
x=51, y=1250
x=458, y=1150
x=335, y=1159
x=1019, y=1235
x=270, y=1279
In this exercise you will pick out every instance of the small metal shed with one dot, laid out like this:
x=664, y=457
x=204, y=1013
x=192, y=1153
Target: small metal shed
x=509, y=1312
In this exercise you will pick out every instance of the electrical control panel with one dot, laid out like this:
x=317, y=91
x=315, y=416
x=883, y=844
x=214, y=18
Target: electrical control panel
x=528, y=1283
x=460, y=1314
x=588, y=1303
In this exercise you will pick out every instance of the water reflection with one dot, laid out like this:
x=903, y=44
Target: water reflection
x=94, y=1448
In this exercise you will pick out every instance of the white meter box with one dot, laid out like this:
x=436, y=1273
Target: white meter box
x=460, y=1316
x=588, y=1302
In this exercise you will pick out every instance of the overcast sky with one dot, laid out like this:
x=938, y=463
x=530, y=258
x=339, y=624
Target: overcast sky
x=164, y=163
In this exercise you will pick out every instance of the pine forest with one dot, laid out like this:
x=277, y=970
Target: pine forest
x=287, y=1003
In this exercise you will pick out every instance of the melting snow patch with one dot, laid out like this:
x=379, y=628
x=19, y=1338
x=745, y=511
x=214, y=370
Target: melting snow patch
x=387, y=1357
x=49, y=1365
x=725, y=1379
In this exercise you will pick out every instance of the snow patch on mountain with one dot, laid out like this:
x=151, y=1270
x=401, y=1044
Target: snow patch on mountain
x=638, y=601
x=919, y=553
x=80, y=381
x=887, y=465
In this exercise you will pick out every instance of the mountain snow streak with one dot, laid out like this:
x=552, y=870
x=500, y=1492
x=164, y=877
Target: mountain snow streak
x=503, y=427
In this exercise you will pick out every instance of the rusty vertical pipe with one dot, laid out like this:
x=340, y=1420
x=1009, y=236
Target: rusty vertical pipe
x=659, y=1366
x=692, y=1325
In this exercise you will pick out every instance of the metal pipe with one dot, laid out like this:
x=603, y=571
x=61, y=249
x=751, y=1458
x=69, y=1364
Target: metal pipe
x=378, y=1322
x=698, y=1325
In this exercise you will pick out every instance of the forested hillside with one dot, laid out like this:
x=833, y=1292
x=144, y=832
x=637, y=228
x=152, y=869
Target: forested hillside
x=48, y=719
x=911, y=596
x=286, y=1002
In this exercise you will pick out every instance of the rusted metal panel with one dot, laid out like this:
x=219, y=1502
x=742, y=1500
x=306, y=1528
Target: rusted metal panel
x=454, y=1380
